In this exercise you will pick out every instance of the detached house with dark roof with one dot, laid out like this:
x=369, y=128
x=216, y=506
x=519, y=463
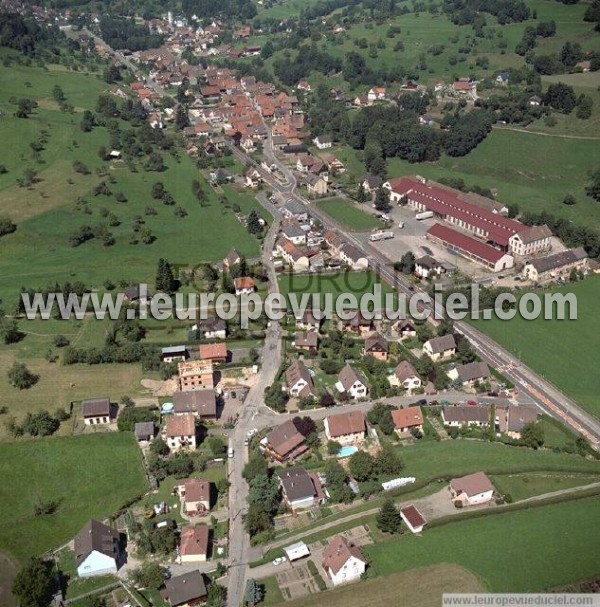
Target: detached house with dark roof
x=300, y=489
x=470, y=374
x=284, y=443
x=466, y=415
x=98, y=550
x=376, y=345
x=184, y=590
x=439, y=348
x=298, y=380
x=96, y=411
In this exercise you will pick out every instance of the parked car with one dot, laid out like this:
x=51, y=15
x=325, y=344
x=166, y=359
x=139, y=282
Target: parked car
x=279, y=561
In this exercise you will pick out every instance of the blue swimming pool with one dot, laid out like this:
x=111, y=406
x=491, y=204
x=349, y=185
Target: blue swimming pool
x=347, y=451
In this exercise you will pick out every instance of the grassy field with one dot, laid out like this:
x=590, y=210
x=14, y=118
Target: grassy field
x=566, y=358
x=513, y=163
x=349, y=215
x=423, y=31
x=46, y=213
x=88, y=476
x=421, y=587
x=512, y=552
x=522, y=486
x=458, y=457
x=58, y=386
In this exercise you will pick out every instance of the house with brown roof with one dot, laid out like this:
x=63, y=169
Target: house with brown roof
x=472, y=489
x=300, y=489
x=96, y=411
x=244, y=284
x=470, y=374
x=376, y=345
x=357, y=323
x=554, y=266
x=512, y=418
x=353, y=257
x=413, y=519
x=406, y=329
x=298, y=380
x=187, y=590
x=307, y=341
x=233, y=258
x=193, y=544
x=180, y=432
x=343, y=561
x=284, y=443
x=308, y=321
x=531, y=240
x=195, y=496
x=200, y=403
x=98, y=550
x=195, y=375
x=466, y=415
x=346, y=428
x=215, y=353
x=407, y=419
x=405, y=375
x=440, y=348
x=351, y=382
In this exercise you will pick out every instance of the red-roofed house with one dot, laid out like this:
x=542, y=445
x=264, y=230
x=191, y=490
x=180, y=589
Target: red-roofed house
x=193, y=544
x=244, y=284
x=406, y=419
x=343, y=561
x=216, y=353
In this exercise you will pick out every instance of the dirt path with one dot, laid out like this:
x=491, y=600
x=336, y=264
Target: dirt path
x=432, y=506
x=560, y=136
x=8, y=571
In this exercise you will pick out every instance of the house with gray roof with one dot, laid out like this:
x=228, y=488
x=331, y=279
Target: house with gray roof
x=98, y=550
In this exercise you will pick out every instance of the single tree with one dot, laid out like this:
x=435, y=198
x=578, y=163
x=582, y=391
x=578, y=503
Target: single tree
x=254, y=593
x=33, y=586
x=20, y=377
x=388, y=518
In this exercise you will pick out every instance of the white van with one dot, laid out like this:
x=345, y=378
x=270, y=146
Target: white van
x=230, y=452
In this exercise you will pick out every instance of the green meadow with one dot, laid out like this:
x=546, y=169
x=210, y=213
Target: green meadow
x=349, y=215
x=88, y=476
x=562, y=351
x=47, y=213
x=524, y=551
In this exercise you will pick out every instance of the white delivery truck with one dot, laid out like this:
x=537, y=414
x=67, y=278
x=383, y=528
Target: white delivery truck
x=424, y=215
x=381, y=235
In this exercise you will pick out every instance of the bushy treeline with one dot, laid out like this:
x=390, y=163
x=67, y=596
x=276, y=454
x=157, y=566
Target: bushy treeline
x=120, y=32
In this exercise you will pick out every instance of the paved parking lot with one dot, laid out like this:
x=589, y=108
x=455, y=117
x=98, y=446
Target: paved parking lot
x=412, y=238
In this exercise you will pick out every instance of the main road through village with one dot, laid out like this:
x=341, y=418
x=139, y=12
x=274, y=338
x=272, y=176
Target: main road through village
x=531, y=387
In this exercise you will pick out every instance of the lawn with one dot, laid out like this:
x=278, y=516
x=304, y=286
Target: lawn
x=522, y=486
x=524, y=551
x=562, y=351
x=88, y=476
x=47, y=213
x=349, y=215
x=272, y=594
x=452, y=458
x=513, y=163
x=420, y=588
x=58, y=385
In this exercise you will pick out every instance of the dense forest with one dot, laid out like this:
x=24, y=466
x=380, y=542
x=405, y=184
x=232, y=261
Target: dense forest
x=125, y=33
x=24, y=34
